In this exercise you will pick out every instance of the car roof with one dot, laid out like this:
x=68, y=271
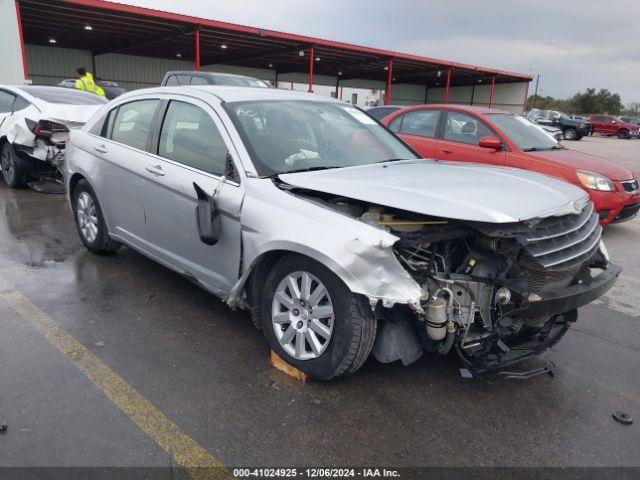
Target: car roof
x=232, y=93
x=206, y=74
x=462, y=108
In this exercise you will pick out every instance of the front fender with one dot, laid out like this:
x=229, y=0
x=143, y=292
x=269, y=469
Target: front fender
x=361, y=255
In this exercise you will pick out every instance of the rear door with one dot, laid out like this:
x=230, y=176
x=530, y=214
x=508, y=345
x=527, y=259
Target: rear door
x=418, y=128
x=123, y=147
x=600, y=124
x=192, y=147
x=461, y=134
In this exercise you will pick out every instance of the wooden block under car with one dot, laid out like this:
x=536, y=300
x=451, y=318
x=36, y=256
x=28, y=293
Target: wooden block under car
x=278, y=363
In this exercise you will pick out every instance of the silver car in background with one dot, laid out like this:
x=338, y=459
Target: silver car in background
x=335, y=235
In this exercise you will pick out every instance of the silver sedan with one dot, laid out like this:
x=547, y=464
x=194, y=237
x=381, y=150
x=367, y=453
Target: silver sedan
x=335, y=235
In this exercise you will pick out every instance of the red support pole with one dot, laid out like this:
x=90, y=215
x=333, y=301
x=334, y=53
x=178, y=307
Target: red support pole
x=526, y=98
x=493, y=86
x=311, y=60
x=197, y=38
x=387, y=93
x=446, y=91
x=20, y=34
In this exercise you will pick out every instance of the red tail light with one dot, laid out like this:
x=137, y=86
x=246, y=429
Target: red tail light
x=45, y=128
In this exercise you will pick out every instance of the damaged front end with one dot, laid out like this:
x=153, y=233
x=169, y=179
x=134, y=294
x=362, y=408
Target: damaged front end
x=497, y=294
x=493, y=293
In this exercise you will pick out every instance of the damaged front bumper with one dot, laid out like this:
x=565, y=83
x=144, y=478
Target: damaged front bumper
x=560, y=307
x=573, y=296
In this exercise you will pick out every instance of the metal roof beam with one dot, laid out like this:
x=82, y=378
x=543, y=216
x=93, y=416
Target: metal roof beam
x=258, y=55
x=145, y=43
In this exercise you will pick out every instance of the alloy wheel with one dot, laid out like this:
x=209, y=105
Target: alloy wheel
x=302, y=315
x=87, y=217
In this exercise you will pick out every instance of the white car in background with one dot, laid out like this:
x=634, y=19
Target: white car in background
x=34, y=126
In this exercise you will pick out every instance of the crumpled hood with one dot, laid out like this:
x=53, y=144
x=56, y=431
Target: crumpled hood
x=70, y=115
x=463, y=191
x=583, y=161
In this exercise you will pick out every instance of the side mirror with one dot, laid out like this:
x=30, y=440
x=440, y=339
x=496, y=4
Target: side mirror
x=207, y=217
x=490, y=142
x=613, y=122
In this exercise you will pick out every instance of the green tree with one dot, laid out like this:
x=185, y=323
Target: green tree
x=601, y=102
x=586, y=102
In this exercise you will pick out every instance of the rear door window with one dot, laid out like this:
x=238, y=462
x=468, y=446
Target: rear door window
x=422, y=123
x=189, y=136
x=6, y=101
x=172, y=81
x=464, y=128
x=199, y=81
x=132, y=123
x=20, y=104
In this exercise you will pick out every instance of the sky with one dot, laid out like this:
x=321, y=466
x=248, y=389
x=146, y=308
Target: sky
x=571, y=44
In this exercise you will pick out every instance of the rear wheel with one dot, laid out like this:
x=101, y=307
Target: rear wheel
x=312, y=320
x=90, y=221
x=16, y=169
x=623, y=134
x=569, y=134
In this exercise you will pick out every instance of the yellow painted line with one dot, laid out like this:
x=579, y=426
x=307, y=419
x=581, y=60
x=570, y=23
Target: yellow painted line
x=185, y=451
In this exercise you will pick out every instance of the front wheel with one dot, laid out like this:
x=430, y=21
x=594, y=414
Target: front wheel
x=623, y=134
x=16, y=170
x=90, y=221
x=313, y=321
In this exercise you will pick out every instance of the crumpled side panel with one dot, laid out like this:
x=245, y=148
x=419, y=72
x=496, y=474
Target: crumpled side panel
x=16, y=131
x=361, y=255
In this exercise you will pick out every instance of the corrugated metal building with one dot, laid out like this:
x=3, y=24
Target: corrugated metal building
x=135, y=47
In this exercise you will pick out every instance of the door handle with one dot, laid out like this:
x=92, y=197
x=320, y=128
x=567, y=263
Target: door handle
x=446, y=150
x=155, y=169
x=100, y=148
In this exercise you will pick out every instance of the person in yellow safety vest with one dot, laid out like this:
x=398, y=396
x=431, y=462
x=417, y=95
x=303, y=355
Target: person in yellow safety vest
x=85, y=82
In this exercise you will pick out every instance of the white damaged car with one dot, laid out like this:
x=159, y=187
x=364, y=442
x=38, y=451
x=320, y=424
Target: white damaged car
x=338, y=238
x=34, y=126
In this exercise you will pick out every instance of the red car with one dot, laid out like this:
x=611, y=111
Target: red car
x=483, y=135
x=611, y=125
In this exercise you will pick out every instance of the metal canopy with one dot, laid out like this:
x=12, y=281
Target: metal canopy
x=118, y=28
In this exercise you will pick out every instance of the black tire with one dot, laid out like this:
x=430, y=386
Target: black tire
x=569, y=134
x=623, y=134
x=579, y=137
x=102, y=244
x=354, y=329
x=16, y=169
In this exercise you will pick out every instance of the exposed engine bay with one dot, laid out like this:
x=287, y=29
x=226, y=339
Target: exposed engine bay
x=493, y=293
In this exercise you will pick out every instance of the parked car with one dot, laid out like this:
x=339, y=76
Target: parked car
x=183, y=78
x=612, y=125
x=571, y=129
x=34, y=126
x=635, y=121
x=111, y=89
x=482, y=135
x=383, y=110
x=334, y=233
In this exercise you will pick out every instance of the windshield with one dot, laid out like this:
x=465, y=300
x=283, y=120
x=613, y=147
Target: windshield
x=526, y=135
x=287, y=136
x=64, y=96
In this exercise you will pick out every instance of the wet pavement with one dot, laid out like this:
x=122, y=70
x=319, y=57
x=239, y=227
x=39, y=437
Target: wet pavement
x=206, y=368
